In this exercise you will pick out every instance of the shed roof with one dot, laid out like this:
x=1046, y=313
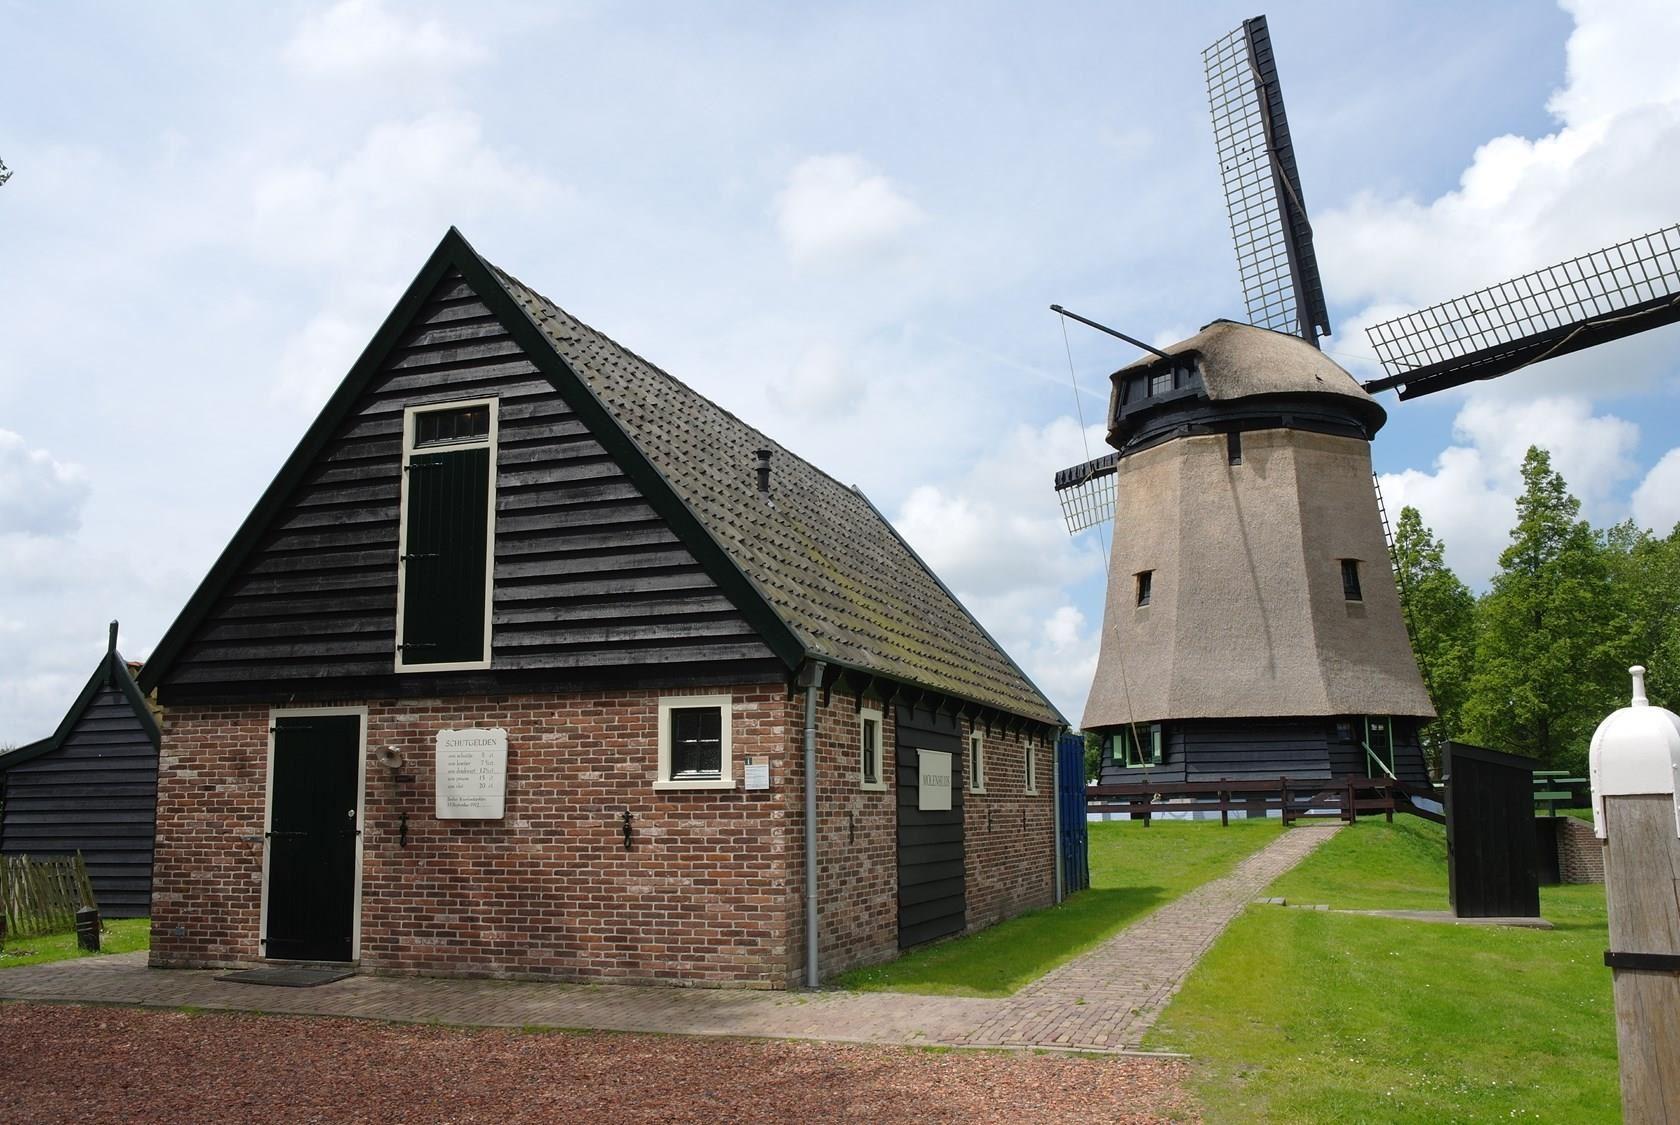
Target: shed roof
x=825, y=559
x=820, y=568
x=112, y=672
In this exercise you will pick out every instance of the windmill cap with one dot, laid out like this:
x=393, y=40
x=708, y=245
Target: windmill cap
x=1635, y=752
x=1242, y=361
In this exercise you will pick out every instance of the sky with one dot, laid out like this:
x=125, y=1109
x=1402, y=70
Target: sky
x=845, y=223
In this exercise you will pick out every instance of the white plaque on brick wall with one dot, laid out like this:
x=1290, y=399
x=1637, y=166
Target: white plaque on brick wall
x=933, y=780
x=471, y=774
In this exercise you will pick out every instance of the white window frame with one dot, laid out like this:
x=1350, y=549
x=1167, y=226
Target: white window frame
x=361, y=712
x=490, y=442
x=1029, y=769
x=868, y=714
x=976, y=762
x=726, y=760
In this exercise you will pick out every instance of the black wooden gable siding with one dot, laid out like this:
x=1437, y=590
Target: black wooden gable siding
x=588, y=578
x=96, y=794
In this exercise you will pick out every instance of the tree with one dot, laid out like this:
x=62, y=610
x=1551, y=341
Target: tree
x=1440, y=613
x=1093, y=755
x=1645, y=578
x=1550, y=637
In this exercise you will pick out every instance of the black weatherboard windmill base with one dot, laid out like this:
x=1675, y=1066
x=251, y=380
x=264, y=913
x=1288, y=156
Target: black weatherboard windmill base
x=1253, y=627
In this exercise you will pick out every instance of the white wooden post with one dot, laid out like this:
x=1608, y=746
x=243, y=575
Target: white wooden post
x=1635, y=775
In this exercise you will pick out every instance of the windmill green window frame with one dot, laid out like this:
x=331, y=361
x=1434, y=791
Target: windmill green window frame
x=1132, y=756
x=869, y=750
x=455, y=440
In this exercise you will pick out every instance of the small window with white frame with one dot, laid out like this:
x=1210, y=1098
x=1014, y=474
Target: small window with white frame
x=694, y=742
x=869, y=750
x=446, y=535
x=1030, y=767
x=976, y=763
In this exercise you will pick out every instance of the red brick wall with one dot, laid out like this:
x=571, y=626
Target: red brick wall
x=1580, y=853
x=712, y=891
x=547, y=891
x=1009, y=835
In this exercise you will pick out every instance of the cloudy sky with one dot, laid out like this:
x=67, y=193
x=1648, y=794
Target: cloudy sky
x=844, y=224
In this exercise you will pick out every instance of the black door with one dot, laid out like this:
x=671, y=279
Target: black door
x=312, y=838
x=932, y=893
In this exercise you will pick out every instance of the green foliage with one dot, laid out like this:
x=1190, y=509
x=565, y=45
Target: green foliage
x=1645, y=575
x=1093, y=755
x=1440, y=615
x=1298, y=1015
x=1134, y=870
x=1551, y=640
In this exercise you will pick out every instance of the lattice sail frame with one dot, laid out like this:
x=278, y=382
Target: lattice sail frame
x=1269, y=226
x=1087, y=493
x=1613, y=292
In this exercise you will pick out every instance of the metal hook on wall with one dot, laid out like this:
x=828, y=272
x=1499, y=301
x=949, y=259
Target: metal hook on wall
x=626, y=829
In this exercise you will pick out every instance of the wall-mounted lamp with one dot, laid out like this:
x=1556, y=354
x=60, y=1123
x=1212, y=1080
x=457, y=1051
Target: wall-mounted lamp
x=391, y=757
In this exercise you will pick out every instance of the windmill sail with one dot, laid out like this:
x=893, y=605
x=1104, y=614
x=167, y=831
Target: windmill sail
x=1087, y=493
x=1623, y=289
x=1269, y=224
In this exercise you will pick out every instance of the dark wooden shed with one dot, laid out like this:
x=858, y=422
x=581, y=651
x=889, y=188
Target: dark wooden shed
x=1492, y=855
x=91, y=787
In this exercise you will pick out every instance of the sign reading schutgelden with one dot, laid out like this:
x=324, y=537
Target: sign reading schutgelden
x=471, y=774
x=933, y=774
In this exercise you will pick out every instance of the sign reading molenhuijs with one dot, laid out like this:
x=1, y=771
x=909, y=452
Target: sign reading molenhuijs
x=933, y=780
x=471, y=774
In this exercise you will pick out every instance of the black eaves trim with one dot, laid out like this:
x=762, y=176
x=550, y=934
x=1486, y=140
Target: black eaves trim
x=454, y=252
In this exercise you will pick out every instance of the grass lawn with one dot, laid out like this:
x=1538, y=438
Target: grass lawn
x=1133, y=870
x=1300, y=1015
x=122, y=935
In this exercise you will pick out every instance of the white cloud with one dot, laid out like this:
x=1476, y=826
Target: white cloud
x=838, y=208
x=1656, y=502
x=995, y=535
x=358, y=37
x=39, y=495
x=1605, y=175
x=399, y=190
x=1470, y=499
x=821, y=384
x=361, y=225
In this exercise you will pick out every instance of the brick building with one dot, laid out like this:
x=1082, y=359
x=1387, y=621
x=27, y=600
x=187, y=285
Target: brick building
x=519, y=667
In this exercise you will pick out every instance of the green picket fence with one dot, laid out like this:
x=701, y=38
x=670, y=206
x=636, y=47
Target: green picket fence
x=41, y=896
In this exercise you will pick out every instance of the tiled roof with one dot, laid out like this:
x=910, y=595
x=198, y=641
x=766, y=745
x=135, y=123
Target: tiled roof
x=827, y=562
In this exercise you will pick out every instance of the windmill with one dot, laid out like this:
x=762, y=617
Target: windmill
x=1252, y=626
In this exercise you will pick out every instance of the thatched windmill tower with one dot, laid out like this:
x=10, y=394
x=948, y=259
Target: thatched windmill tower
x=1253, y=626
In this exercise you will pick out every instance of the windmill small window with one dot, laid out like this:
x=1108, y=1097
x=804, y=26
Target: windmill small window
x=1140, y=746
x=1350, y=580
x=1145, y=586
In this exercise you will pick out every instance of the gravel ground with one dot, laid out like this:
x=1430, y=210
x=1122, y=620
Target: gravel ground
x=64, y=1063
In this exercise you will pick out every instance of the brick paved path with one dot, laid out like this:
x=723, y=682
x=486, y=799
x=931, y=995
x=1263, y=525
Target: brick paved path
x=1102, y=1001
x=1109, y=997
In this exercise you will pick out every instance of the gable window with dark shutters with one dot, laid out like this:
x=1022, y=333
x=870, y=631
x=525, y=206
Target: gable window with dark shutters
x=445, y=543
x=694, y=743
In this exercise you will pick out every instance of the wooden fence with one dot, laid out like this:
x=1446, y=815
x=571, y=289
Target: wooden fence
x=1347, y=797
x=41, y=896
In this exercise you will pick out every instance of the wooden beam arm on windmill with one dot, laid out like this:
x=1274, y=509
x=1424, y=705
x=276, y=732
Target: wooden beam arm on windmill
x=1618, y=291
